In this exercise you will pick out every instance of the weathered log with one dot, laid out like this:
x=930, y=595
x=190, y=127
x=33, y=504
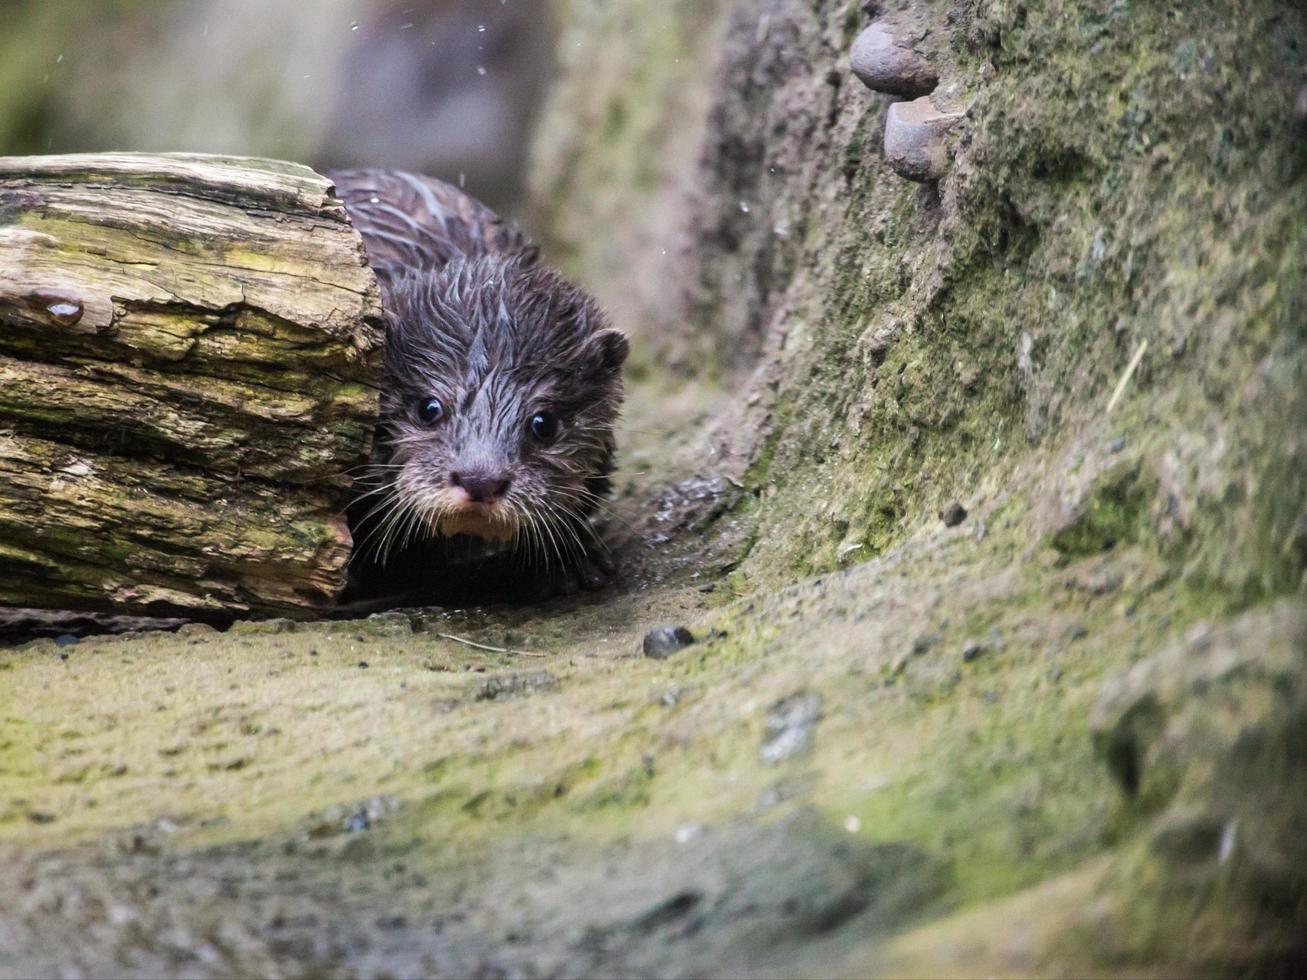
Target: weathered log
x=189, y=351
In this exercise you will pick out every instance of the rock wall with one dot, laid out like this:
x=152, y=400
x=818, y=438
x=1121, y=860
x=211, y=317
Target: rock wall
x=1121, y=180
x=1091, y=333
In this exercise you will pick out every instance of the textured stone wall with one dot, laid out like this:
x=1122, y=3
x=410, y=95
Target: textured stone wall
x=1121, y=184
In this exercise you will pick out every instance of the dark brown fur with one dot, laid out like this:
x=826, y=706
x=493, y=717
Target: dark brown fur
x=476, y=323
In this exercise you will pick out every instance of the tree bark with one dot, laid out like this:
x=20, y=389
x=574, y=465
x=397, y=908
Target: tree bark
x=189, y=354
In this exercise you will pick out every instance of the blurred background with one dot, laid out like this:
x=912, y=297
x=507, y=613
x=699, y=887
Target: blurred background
x=446, y=87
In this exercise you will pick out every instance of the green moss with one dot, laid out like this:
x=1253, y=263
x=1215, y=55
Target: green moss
x=1114, y=513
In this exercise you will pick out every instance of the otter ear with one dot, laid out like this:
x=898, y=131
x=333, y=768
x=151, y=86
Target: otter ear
x=609, y=347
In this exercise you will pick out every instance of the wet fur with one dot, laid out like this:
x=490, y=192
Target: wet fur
x=475, y=322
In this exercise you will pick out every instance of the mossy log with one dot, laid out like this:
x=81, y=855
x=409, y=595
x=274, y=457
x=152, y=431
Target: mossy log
x=189, y=352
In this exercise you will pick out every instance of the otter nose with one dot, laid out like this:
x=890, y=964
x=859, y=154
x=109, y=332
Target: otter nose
x=481, y=487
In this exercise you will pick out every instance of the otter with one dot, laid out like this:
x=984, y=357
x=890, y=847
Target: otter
x=500, y=389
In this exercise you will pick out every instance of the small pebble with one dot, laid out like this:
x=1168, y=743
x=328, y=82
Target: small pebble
x=971, y=650
x=924, y=642
x=1116, y=445
x=66, y=640
x=661, y=643
x=886, y=63
x=790, y=725
x=953, y=515
x=914, y=139
x=363, y=665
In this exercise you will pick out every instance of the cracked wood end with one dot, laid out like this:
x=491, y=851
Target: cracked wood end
x=189, y=356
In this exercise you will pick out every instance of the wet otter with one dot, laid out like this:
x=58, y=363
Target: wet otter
x=501, y=385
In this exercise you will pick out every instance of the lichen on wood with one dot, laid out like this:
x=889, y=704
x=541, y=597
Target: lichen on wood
x=189, y=352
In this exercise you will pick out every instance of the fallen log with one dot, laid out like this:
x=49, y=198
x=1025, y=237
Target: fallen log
x=189, y=353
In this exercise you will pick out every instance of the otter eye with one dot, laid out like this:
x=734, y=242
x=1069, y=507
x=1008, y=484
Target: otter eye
x=430, y=410
x=544, y=427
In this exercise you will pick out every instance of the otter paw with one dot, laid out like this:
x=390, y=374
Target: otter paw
x=594, y=572
x=597, y=571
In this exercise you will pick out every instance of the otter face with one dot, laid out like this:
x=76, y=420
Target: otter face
x=502, y=384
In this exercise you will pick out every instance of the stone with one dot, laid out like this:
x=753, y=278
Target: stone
x=885, y=62
x=914, y=139
x=924, y=642
x=501, y=687
x=790, y=725
x=661, y=643
x=953, y=515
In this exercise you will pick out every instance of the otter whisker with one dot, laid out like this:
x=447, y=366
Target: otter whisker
x=403, y=530
x=378, y=507
x=565, y=529
x=537, y=541
x=571, y=522
x=383, y=488
x=375, y=535
x=547, y=524
x=387, y=528
x=593, y=501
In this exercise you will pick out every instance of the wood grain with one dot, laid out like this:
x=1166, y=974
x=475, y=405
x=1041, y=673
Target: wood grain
x=189, y=354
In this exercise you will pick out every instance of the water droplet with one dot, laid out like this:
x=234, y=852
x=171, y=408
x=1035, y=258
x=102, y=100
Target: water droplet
x=65, y=312
x=687, y=833
x=59, y=60
x=481, y=69
x=374, y=199
x=481, y=28
x=744, y=206
x=353, y=25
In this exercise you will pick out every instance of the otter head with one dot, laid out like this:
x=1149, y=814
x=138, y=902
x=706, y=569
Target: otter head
x=502, y=383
